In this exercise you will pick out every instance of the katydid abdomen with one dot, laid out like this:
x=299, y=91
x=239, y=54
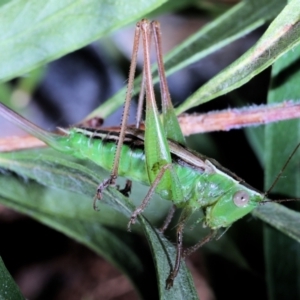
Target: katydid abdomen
x=100, y=147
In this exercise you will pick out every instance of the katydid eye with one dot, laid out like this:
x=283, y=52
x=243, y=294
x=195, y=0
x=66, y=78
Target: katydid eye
x=241, y=198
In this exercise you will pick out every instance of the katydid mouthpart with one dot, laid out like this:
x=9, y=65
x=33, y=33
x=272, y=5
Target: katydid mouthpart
x=156, y=157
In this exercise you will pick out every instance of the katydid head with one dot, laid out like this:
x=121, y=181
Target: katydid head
x=231, y=206
x=237, y=199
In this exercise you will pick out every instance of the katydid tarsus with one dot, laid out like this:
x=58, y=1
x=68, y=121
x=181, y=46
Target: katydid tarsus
x=156, y=157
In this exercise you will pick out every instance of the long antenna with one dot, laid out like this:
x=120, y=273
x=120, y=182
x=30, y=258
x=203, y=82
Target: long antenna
x=279, y=175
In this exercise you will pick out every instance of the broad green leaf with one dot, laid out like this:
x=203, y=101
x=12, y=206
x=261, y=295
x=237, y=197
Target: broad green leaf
x=282, y=253
x=61, y=171
x=73, y=215
x=255, y=136
x=282, y=35
x=36, y=32
x=282, y=218
x=2, y=2
x=164, y=253
x=233, y=24
x=238, y=21
x=8, y=288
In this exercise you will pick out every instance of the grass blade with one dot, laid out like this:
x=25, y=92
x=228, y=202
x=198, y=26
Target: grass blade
x=36, y=32
x=282, y=254
x=8, y=288
x=282, y=35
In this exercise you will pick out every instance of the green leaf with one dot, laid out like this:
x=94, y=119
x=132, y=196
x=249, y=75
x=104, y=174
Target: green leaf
x=72, y=213
x=282, y=218
x=36, y=32
x=255, y=136
x=164, y=253
x=282, y=35
x=8, y=288
x=233, y=24
x=282, y=254
x=236, y=22
x=74, y=217
x=53, y=169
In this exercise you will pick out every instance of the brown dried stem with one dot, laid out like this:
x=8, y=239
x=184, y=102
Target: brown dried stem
x=224, y=120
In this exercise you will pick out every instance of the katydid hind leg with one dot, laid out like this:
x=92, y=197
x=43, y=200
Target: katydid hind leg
x=140, y=101
x=156, y=145
x=170, y=123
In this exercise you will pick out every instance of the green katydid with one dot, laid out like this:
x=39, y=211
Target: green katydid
x=157, y=157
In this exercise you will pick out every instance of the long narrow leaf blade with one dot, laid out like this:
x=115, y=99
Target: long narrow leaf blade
x=282, y=218
x=35, y=32
x=72, y=213
x=8, y=288
x=282, y=35
x=164, y=254
x=241, y=19
x=282, y=254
